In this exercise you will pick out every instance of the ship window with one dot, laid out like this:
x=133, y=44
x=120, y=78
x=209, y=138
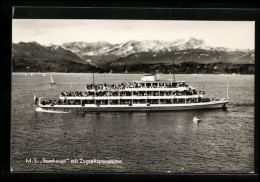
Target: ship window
x=101, y=102
x=71, y=102
x=163, y=93
x=181, y=100
x=114, y=102
x=169, y=93
x=149, y=93
x=156, y=93
x=141, y=93
x=87, y=102
x=139, y=101
x=148, y=84
x=174, y=84
x=166, y=101
x=140, y=84
x=135, y=93
x=155, y=84
x=153, y=101
x=125, y=93
x=74, y=102
x=91, y=93
x=115, y=93
x=161, y=84
x=125, y=102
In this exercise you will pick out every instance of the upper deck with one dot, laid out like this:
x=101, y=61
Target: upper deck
x=144, y=84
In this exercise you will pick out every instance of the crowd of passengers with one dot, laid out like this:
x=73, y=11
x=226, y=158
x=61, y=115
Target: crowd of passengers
x=123, y=102
x=106, y=86
x=129, y=93
x=53, y=102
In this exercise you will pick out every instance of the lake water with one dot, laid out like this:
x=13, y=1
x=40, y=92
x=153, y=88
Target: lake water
x=163, y=142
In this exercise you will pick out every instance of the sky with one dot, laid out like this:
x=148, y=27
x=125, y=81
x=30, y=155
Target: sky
x=229, y=34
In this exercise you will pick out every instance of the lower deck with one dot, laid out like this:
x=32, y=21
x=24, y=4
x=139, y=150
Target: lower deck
x=137, y=107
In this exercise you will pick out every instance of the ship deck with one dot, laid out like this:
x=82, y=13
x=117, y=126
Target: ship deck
x=139, y=107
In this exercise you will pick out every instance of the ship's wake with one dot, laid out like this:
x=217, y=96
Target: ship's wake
x=242, y=104
x=39, y=109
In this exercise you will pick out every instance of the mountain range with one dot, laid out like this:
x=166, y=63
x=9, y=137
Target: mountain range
x=35, y=57
x=102, y=55
x=155, y=51
x=34, y=50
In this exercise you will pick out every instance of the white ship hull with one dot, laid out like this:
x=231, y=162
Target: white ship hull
x=221, y=104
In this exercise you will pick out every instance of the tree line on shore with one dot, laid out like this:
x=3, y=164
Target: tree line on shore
x=187, y=68
x=182, y=68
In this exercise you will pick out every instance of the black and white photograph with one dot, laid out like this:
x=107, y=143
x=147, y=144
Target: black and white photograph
x=132, y=96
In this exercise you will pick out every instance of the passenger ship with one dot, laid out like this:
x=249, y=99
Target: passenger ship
x=148, y=94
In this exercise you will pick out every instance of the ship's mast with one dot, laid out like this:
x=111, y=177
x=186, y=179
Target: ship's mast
x=94, y=87
x=227, y=89
x=173, y=75
x=93, y=78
